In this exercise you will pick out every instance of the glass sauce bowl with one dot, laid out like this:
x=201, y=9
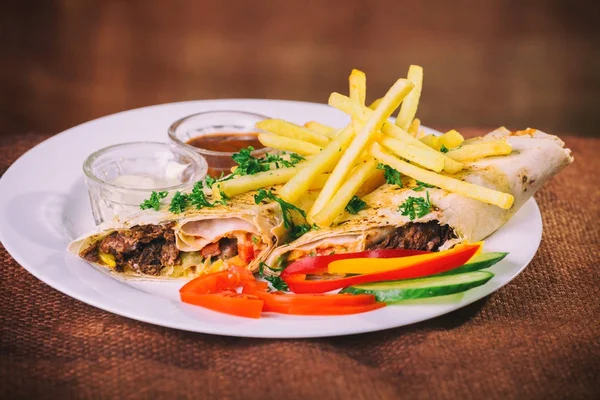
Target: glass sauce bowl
x=218, y=135
x=120, y=177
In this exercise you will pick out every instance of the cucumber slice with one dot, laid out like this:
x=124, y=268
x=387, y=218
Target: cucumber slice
x=480, y=261
x=393, y=291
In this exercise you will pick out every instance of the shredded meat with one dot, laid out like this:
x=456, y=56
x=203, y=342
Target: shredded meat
x=146, y=249
x=416, y=236
x=211, y=250
x=228, y=247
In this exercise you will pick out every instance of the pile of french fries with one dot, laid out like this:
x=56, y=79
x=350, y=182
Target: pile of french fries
x=343, y=163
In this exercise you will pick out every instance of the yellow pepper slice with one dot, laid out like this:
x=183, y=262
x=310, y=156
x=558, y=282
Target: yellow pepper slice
x=375, y=265
x=107, y=259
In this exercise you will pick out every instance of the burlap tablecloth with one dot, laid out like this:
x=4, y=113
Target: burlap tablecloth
x=536, y=338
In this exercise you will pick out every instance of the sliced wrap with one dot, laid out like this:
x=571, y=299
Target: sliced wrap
x=453, y=218
x=162, y=244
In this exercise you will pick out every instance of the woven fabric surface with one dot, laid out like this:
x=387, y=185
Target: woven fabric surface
x=536, y=338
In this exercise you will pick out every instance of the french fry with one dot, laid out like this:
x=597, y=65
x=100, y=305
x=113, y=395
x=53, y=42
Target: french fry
x=321, y=128
x=323, y=162
x=346, y=105
x=358, y=93
x=288, y=144
x=414, y=126
x=428, y=159
x=374, y=104
x=451, y=139
x=421, y=134
x=390, y=101
x=500, y=199
x=408, y=109
x=470, y=152
x=336, y=205
x=432, y=141
x=248, y=183
x=293, y=131
x=373, y=182
x=358, y=86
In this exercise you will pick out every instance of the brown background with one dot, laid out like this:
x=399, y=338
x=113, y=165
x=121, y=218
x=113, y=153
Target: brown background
x=487, y=63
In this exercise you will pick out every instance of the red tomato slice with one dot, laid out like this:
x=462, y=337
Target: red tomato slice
x=246, y=251
x=242, y=305
x=280, y=302
x=218, y=281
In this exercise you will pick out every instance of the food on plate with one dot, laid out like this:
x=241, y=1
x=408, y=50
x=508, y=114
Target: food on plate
x=189, y=243
x=378, y=209
x=219, y=292
x=301, y=280
x=406, y=213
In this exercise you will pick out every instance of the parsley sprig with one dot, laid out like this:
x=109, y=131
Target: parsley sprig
x=421, y=186
x=179, y=203
x=250, y=165
x=444, y=149
x=415, y=207
x=286, y=207
x=198, y=198
x=276, y=281
x=355, y=205
x=182, y=201
x=247, y=163
x=299, y=230
x=277, y=159
x=154, y=201
x=392, y=176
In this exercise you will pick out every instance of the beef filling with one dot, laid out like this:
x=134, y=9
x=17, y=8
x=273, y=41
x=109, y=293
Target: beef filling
x=225, y=248
x=146, y=249
x=416, y=236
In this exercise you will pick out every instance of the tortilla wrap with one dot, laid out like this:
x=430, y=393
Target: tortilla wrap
x=258, y=226
x=454, y=218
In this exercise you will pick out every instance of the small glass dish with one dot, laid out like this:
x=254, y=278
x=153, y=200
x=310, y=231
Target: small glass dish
x=120, y=177
x=227, y=130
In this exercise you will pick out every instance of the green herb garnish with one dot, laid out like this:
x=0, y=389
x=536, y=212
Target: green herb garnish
x=415, y=207
x=421, y=186
x=286, y=207
x=255, y=239
x=247, y=163
x=277, y=282
x=153, y=201
x=197, y=198
x=392, y=176
x=355, y=205
x=277, y=159
x=179, y=203
x=295, y=158
x=299, y=230
x=444, y=149
x=208, y=182
x=261, y=268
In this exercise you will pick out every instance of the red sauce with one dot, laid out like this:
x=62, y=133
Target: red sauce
x=224, y=142
x=228, y=142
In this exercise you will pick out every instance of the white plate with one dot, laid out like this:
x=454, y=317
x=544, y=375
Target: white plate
x=44, y=204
